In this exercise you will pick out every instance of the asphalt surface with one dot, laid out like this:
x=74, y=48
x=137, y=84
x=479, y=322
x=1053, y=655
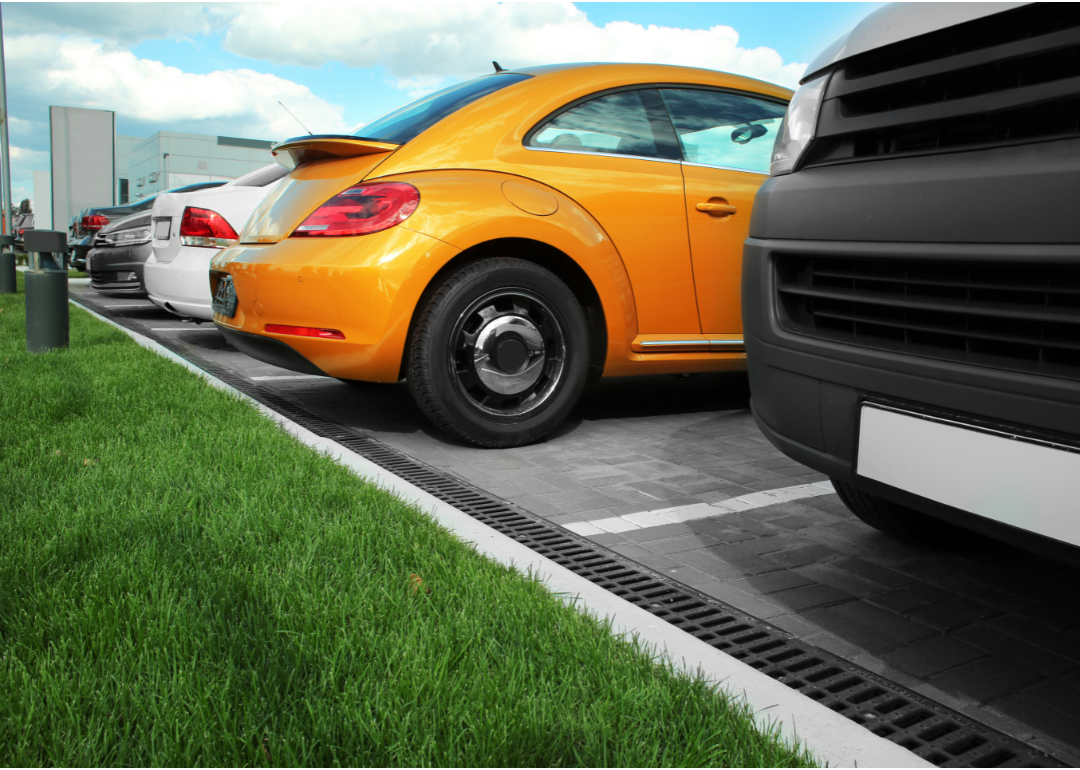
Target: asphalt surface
x=991, y=631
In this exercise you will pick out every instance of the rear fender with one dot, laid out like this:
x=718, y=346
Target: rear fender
x=467, y=209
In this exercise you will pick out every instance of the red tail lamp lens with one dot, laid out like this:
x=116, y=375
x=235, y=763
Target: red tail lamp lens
x=202, y=227
x=366, y=208
x=305, y=331
x=94, y=222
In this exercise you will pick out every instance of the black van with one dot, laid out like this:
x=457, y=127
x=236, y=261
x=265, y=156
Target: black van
x=911, y=284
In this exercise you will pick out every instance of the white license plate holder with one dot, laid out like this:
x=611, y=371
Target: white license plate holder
x=1028, y=483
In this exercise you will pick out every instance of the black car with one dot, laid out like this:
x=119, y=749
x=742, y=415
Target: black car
x=115, y=263
x=90, y=221
x=20, y=224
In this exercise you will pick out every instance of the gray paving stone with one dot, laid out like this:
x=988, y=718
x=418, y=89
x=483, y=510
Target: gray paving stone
x=1031, y=710
x=912, y=597
x=657, y=533
x=986, y=678
x=740, y=558
x=998, y=643
x=719, y=530
x=830, y=575
x=933, y=656
x=1038, y=635
x=896, y=626
x=771, y=582
x=594, y=503
x=807, y=597
x=674, y=545
x=773, y=543
x=796, y=557
x=866, y=569
x=954, y=614
x=755, y=606
x=851, y=631
x=644, y=556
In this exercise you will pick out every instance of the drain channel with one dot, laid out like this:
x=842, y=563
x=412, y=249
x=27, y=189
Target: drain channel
x=935, y=733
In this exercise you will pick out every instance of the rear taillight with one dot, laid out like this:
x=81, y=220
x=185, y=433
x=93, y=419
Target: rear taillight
x=305, y=331
x=363, y=209
x=94, y=222
x=202, y=227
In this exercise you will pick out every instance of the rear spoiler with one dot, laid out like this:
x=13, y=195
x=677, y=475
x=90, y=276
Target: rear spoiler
x=292, y=152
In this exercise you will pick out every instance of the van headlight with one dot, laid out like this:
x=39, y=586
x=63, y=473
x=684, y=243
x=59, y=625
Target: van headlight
x=800, y=122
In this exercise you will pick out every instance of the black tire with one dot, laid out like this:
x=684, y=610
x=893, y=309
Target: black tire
x=499, y=354
x=900, y=521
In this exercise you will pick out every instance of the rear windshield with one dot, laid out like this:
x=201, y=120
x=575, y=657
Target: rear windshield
x=410, y=121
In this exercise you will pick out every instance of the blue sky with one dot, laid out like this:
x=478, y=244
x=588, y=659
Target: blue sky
x=220, y=68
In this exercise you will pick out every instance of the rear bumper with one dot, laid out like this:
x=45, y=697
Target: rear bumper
x=366, y=287
x=268, y=350
x=182, y=286
x=106, y=264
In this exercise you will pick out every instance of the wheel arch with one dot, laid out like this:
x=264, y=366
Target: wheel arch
x=546, y=256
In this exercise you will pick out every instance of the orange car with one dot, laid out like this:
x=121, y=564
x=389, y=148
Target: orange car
x=504, y=241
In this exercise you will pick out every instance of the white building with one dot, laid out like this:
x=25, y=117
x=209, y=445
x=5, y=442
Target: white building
x=170, y=159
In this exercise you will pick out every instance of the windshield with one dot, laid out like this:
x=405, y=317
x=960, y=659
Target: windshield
x=410, y=121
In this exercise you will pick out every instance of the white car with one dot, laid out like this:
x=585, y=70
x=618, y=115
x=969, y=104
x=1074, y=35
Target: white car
x=189, y=228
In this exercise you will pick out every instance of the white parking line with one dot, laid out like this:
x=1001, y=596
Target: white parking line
x=290, y=377
x=183, y=329
x=148, y=305
x=685, y=513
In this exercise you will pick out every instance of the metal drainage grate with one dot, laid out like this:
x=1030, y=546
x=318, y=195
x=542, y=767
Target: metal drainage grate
x=928, y=729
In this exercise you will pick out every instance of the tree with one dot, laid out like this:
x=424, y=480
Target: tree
x=24, y=207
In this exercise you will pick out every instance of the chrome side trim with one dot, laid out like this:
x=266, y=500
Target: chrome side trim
x=601, y=154
x=726, y=342
x=651, y=343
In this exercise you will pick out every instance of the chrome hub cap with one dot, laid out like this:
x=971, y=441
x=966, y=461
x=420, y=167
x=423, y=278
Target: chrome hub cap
x=508, y=353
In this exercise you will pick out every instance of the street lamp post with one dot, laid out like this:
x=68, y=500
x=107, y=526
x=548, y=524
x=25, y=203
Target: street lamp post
x=165, y=173
x=7, y=255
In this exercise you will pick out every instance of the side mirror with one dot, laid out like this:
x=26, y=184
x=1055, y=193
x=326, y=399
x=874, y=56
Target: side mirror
x=743, y=134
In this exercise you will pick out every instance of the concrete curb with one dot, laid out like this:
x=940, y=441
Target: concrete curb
x=833, y=739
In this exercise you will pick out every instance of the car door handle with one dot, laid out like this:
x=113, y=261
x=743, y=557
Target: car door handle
x=717, y=208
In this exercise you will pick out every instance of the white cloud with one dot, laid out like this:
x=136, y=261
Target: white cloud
x=423, y=43
x=77, y=72
x=122, y=22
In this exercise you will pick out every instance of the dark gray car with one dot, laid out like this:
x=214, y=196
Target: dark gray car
x=119, y=251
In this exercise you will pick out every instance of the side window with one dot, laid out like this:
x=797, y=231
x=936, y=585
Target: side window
x=724, y=129
x=622, y=123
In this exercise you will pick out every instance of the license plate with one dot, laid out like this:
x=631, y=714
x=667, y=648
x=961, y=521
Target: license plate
x=225, y=297
x=1030, y=484
x=161, y=229
x=89, y=263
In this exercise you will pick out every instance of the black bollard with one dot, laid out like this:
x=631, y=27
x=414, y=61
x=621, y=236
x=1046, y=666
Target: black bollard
x=46, y=290
x=7, y=264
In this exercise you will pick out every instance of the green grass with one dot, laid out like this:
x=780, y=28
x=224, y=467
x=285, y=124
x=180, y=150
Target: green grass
x=181, y=583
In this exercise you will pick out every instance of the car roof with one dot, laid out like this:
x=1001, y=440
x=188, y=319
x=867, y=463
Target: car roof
x=476, y=134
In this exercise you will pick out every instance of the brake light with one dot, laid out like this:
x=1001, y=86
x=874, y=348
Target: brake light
x=363, y=209
x=94, y=222
x=202, y=227
x=304, y=331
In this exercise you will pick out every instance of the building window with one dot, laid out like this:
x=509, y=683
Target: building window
x=123, y=191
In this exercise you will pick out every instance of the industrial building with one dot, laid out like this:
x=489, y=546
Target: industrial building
x=91, y=166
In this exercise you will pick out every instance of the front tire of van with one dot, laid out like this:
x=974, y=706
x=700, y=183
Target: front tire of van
x=900, y=521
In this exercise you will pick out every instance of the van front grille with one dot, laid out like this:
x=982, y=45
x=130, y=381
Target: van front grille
x=1007, y=315
x=1011, y=78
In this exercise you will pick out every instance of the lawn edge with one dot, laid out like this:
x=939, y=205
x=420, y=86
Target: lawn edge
x=832, y=739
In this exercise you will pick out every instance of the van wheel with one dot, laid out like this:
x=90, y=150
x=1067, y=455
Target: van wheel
x=900, y=521
x=499, y=354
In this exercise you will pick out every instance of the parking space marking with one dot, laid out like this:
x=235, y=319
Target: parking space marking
x=289, y=377
x=684, y=513
x=183, y=329
x=147, y=305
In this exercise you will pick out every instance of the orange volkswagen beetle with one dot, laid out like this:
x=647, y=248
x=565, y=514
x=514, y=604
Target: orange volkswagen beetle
x=504, y=241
